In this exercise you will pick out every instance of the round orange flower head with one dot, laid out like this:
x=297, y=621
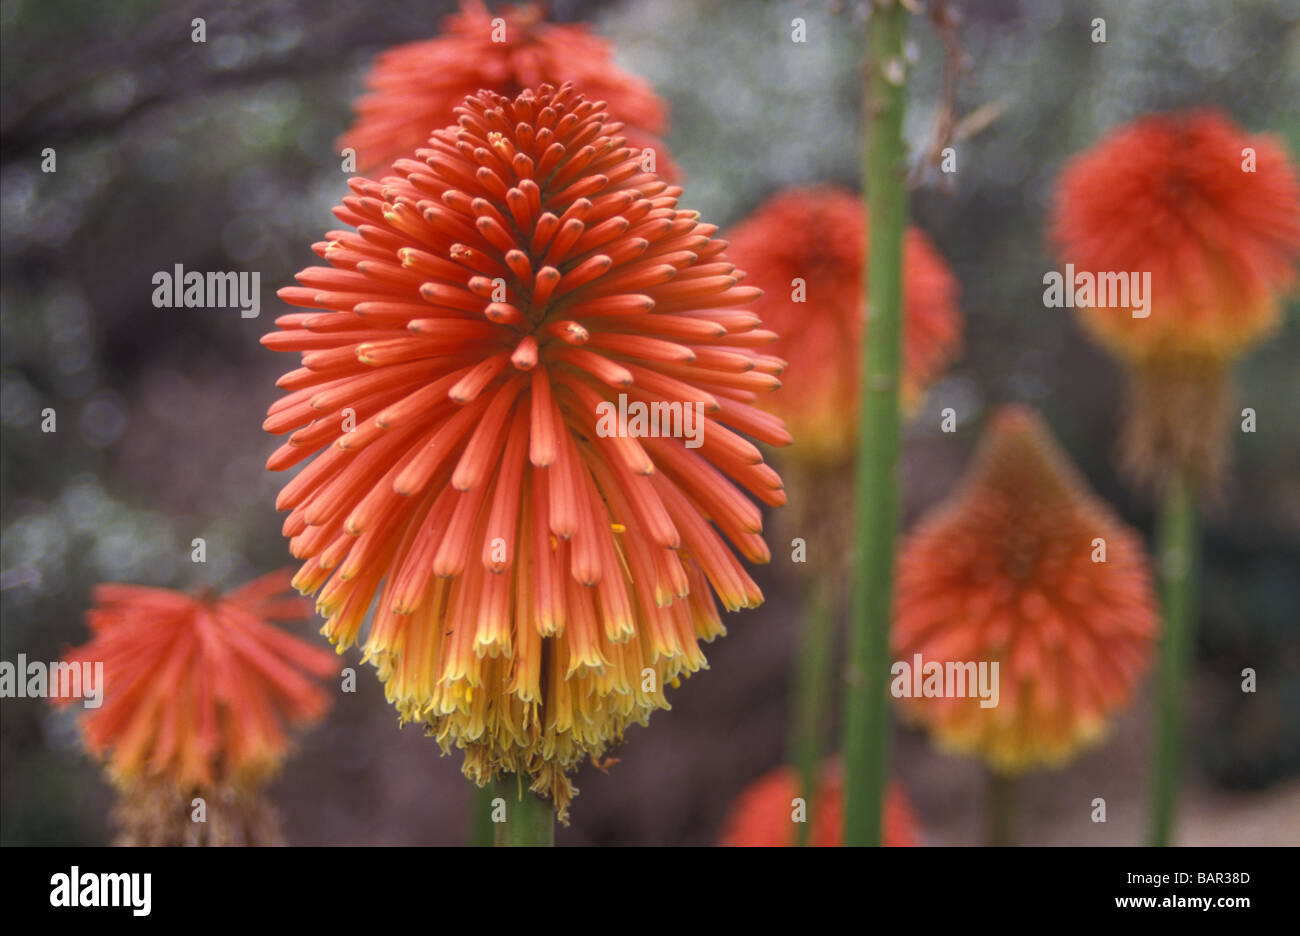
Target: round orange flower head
x=195, y=693
x=762, y=816
x=1212, y=215
x=805, y=249
x=529, y=380
x=1022, y=569
x=414, y=89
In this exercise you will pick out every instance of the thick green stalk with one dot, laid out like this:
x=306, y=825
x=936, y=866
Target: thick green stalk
x=1001, y=809
x=812, y=698
x=482, y=831
x=866, y=721
x=530, y=820
x=1176, y=557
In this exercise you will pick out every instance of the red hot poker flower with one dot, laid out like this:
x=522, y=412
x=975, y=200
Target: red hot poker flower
x=197, y=691
x=415, y=88
x=815, y=235
x=1023, y=566
x=1213, y=215
x=542, y=576
x=198, y=688
x=762, y=815
x=1211, y=212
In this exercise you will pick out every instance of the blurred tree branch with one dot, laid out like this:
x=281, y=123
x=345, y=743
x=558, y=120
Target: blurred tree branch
x=945, y=17
x=170, y=69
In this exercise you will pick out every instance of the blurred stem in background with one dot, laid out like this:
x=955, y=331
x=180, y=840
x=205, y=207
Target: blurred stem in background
x=530, y=820
x=812, y=686
x=482, y=831
x=866, y=722
x=1001, y=808
x=1176, y=545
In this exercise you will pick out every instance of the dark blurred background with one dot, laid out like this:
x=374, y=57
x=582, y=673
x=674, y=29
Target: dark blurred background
x=221, y=156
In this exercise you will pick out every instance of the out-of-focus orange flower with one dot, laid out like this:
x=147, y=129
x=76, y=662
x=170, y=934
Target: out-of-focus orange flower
x=762, y=815
x=1170, y=195
x=545, y=571
x=414, y=88
x=198, y=688
x=1024, y=567
x=1213, y=215
x=817, y=235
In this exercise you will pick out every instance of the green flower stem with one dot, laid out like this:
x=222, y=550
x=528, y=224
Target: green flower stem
x=482, y=831
x=812, y=698
x=530, y=820
x=1002, y=808
x=1176, y=556
x=866, y=723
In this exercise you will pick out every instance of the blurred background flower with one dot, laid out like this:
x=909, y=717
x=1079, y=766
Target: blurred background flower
x=1212, y=214
x=412, y=88
x=1023, y=566
x=197, y=691
x=806, y=249
x=762, y=815
x=222, y=156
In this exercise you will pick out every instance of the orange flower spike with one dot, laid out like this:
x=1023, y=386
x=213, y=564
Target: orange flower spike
x=198, y=688
x=543, y=573
x=1024, y=567
x=762, y=815
x=414, y=89
x=1213, y=215
x=815, y=235
x=1211, y=212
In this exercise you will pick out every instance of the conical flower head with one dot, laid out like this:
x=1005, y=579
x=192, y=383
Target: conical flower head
x=763, y=815
x=198, y=688
x=806, y=249
x=1024, y=568
x=527, y=377
x=414, y=89
x=1212, y=214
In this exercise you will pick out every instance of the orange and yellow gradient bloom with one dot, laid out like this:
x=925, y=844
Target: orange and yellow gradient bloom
x=539, y=581
x=198, y=690
x=1023, y=566
x=413, y=89
x=762, y=815
x=1212, y=213
x=809, y=242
